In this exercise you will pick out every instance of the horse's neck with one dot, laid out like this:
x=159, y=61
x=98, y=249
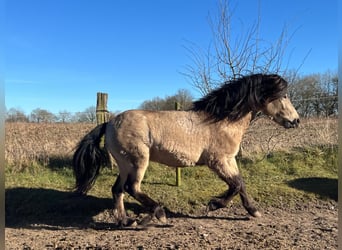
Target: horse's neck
x=242, y=123
x=246, y=120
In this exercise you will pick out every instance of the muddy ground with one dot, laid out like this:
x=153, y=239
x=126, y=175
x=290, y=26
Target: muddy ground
x=307, y=226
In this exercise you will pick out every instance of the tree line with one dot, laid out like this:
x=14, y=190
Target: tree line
x=39, y=115
x=313, y=95
x=183, y=97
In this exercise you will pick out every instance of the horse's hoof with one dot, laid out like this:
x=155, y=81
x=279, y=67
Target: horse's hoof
x=215, y=204
x=144, y=221
x=129, y=222
x=256, y=214
x=160, y=214
x=121, y=219
x=121, y=223
x=253, y=212
x=163, y=219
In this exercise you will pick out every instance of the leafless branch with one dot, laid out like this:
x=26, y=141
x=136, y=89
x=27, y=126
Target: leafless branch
x=232, y=54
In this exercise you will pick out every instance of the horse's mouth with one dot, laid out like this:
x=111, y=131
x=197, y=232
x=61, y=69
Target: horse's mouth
x=286, y=123
x=291, y=124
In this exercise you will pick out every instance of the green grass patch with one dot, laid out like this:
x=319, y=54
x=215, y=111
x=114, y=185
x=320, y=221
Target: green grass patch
x=281, y=179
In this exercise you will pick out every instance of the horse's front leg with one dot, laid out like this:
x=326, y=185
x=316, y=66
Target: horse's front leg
x=228, y=171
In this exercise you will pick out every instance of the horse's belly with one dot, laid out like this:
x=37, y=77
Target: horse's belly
x=173, y=158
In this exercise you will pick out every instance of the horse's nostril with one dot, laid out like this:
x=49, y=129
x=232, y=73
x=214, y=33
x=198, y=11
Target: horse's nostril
x=296, y=122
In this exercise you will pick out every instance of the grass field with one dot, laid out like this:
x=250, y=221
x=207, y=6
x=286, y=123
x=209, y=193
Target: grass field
x=281, y=179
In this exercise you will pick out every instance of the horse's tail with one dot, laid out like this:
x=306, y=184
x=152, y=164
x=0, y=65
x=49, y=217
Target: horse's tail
x=88, y=158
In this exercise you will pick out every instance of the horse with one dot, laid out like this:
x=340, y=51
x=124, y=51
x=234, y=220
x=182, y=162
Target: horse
x=209, y=133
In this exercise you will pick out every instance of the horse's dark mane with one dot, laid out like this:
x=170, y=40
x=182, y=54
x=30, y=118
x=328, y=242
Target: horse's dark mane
x=236, y=98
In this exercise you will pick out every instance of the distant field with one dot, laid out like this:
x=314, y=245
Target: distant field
x=52, y=144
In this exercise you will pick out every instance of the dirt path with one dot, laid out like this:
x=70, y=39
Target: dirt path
x=309, y=226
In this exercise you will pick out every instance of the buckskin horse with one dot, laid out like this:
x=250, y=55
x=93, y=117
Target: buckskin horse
x=209, y=134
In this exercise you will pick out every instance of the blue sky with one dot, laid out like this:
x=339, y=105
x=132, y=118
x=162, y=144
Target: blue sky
x=59, y=54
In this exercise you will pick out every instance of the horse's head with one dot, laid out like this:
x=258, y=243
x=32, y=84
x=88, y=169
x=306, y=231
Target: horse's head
x=282, y=112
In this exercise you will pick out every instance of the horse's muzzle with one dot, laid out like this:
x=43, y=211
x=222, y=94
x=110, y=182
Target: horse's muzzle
x=292, y=124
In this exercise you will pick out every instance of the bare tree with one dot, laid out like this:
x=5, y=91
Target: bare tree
x=88, y=115
x=329, y=100
x=155, y=103
x=183, y=97
x=315, y=94
x=64, y=116
x=16, y=115
x=231, y=55
x=41, y=115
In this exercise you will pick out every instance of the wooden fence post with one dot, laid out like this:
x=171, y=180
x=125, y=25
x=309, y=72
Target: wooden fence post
x=178, y=170
x=102, y=114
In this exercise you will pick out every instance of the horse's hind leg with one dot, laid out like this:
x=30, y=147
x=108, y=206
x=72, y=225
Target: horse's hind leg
x=228, y=171
x=118, y=195
x=132, y=187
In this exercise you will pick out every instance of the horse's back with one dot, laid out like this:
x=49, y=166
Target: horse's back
x=175, y=138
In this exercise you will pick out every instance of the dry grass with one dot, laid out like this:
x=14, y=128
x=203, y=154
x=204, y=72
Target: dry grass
x=30, y=143
x=51, y=144
x=264, y=137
